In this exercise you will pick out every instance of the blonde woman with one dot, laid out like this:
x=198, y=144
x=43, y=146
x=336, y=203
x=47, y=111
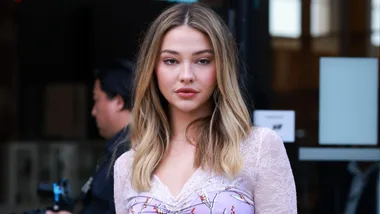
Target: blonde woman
x=194, y=149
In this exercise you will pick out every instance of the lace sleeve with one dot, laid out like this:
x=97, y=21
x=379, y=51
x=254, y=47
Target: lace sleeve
x=274, y=191
x=122, y=169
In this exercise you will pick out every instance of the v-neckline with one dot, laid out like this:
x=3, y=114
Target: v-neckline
x=183, y=189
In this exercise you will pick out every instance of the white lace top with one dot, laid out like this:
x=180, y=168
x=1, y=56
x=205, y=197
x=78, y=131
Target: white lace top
x=265, y=186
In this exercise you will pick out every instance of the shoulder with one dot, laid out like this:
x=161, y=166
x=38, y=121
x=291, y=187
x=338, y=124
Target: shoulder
x=259, y=140
x=263, y=132
x=123, y=163
x=261, y=135
x=125, y=157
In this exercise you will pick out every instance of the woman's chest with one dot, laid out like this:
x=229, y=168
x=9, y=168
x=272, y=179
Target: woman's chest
x=201, y=194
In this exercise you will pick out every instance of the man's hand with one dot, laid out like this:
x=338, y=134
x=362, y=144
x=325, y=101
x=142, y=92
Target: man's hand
x=60, y=212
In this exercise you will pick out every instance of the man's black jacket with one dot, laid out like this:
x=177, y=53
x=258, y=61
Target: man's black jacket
x=99, y=198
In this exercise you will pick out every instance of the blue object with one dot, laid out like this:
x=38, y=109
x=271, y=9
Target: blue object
x=57, y=191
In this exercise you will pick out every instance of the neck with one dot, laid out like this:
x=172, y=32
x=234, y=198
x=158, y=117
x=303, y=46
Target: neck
x=124, y=119
x=179, y=121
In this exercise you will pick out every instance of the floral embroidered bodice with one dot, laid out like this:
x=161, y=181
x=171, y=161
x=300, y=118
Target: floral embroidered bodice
x=265, y=185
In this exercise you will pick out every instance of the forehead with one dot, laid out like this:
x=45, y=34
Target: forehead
x=185, y=39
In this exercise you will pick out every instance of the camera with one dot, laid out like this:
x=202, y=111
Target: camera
x=60, y=194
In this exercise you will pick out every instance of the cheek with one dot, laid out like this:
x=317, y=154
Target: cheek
x=210, y=78
x=164, y=80
x=99, y=110
x=104, y=109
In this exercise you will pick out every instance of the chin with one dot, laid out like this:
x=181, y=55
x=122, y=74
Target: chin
x=186, y=109
x=189, y=109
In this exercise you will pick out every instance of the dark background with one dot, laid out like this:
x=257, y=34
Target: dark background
x=48, y=50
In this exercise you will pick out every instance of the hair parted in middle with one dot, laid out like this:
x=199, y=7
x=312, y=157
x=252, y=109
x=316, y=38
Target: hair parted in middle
x=219, y=135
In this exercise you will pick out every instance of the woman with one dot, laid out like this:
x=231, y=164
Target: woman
x=193, y=147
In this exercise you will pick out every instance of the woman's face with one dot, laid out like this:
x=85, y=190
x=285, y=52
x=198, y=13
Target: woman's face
x=186, y=70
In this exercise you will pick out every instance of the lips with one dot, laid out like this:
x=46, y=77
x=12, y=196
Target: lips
x=186, y=92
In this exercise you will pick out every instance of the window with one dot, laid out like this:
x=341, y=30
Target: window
x=285, y=18
x=375, y=23
x=320, y=18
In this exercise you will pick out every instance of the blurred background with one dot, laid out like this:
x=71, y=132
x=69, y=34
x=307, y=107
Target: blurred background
x=48, y=50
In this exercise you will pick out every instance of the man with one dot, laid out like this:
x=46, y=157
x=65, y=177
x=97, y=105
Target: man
x=112, y=109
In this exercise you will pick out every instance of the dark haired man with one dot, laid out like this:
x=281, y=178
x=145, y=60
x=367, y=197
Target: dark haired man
x=112, y=94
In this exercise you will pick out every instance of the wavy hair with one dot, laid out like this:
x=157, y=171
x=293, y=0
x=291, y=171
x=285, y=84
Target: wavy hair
x=220, y=134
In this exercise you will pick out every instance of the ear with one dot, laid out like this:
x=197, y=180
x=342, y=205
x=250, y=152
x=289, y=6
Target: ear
x=119, y=102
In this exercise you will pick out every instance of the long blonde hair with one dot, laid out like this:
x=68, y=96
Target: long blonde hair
x=220, y=134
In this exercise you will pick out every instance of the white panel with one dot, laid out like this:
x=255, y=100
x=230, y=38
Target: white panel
x=282, y=122
x=348, y=102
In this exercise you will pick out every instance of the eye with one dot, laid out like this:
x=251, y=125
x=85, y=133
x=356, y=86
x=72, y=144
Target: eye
x=203, y=61
x=170, y=61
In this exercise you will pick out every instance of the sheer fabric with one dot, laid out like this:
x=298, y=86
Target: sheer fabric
x=265, y=185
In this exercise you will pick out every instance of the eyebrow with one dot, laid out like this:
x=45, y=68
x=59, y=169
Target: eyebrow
x=195, y=53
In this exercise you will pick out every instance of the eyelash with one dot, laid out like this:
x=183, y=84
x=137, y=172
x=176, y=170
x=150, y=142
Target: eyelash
x=207, y=61
x=168, y=60
x=171, y=61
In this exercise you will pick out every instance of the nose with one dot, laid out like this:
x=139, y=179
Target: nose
x=186, y=73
